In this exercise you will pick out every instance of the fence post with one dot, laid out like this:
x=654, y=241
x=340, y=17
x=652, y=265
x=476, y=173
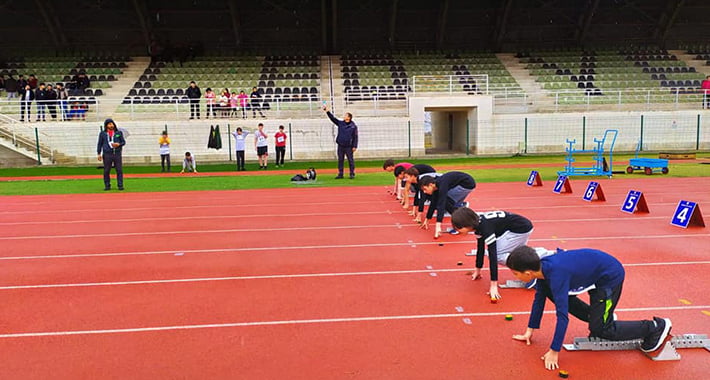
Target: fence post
x=468, y=135
x=641, y=137
x=229, y=140
x=584, y=132
x=290, y=143
x=409, y=137
x=39, y=156
x=697, y=134
x=525, y=150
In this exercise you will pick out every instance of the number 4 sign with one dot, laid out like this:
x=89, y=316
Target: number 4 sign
x=594, y=188
x=634, y=202
x=687, y=214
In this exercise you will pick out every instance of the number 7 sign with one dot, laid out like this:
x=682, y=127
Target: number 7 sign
x=687, y=214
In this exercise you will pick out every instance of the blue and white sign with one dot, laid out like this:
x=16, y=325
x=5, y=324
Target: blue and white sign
x=591, y=189
x=533, y=178
x=684, y=213
x=561, y=181
x=631, y=201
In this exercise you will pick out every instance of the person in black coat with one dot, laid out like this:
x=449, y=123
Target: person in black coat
x=11, y=86
x=194, y=94
x=108, y=148
x=41, y=98
x=27, y=96
x=347, y=141
x=52, y=101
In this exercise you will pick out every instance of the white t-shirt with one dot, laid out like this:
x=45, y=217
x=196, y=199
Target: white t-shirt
x=261, y=139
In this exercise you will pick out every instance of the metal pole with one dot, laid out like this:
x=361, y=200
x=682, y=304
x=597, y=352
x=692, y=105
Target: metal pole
x=584, y=131
x=229, y=140
x=409, y=137
x=641, y=137
x=697, y=134
x=290, y=143
x=468, y=136
x=39, y=156
x=525, y=150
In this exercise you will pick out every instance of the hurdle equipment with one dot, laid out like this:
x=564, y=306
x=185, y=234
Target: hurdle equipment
x=634, y=202
x=562, y=183
x=667, y=352
x=592, y=189
x=687, y=214
x=534, y=179
x=602, y=165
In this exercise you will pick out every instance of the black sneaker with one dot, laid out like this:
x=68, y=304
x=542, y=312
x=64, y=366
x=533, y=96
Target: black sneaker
x=107, y=188
x=352, y=176
x=658, y=336
x=120, y=188
x=339, y=177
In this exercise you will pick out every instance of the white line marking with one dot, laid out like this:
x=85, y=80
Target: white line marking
x=330, y=246
x=152, y=233
x=428, y=269
x=309, y=321
x=210, y=217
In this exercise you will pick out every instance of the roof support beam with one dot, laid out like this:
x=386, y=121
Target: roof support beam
x=236, y=22
x=393, y=23
x=501, y=24
x=139, y=7
x=443, y=17
x=585, y=21
x=667, y=19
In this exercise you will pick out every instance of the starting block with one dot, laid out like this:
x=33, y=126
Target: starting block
x=667, y=352
x=512, y=284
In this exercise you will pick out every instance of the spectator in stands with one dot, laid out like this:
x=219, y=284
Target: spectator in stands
x=108, y=148
x=209, y=98
x=11, y=87
x=78, y=110
x=21, y=82
x=194, y=94
x=52, y=102
x=347, y=140
x=41, y=98
x=705, y=86
x=32, y=81
x=255, y=102
x=27, y=96
x=82, y=82
x=62, y=97
x=2, y=83
x=224, y=103
x=233, y=104
x=243, y=103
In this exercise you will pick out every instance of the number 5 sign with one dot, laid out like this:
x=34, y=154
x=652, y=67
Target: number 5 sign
x=687, y=214
x=634, y=202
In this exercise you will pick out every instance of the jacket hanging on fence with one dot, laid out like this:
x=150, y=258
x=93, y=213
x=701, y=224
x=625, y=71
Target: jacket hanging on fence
x=217, y=137
x=210, y=139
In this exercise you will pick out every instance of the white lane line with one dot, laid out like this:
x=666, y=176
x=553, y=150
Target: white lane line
x=221, y=206
x=209, y=217
x=190, y=232
x=429, y=269
x=331, y=246
x=309, y=321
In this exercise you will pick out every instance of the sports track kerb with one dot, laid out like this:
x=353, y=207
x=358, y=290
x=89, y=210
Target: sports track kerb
x=322, y=283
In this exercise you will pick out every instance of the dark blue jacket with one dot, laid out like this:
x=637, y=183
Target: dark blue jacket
x=104, y=146
x=571, y=270
x=347, y=132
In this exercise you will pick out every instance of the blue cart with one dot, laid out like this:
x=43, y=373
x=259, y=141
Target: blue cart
x=648, y=165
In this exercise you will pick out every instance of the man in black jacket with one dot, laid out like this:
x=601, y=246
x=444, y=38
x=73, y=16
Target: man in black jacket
x=41, y=98
x=11, y=87
x=27, y=96
x=52, y=102
x=347, y=141
x=194, y=94
x=108, y=148
x=447, y=193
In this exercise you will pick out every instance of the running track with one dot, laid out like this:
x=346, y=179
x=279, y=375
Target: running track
x=321, y=283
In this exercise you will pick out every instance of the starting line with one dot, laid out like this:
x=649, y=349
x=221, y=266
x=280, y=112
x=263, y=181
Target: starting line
x=668, y=352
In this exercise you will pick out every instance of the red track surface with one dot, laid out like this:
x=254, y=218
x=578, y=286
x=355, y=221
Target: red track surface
x=321, y=283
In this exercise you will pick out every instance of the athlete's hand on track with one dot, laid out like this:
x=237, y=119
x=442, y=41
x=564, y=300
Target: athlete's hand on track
x=424, y=224
x=526, y=337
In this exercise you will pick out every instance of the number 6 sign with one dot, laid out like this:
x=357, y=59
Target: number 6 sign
x=594, y=188
x=634, y=202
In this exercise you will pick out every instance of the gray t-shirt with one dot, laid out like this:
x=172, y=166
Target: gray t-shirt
x=240, y=140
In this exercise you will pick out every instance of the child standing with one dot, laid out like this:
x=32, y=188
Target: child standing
x=189, y=163
x=164, y=143
x=566, y=271
x=243, y=102
x=280, y=138
x=240, y=146
x=233, y=101
x=209, y=99
x=262, y=146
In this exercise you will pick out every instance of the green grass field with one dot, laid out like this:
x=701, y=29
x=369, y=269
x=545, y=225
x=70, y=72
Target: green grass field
x=479, y=168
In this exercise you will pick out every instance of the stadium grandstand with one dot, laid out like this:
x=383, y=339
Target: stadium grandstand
x=422, y=77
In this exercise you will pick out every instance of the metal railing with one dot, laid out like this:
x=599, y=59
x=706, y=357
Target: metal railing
x=471, y=84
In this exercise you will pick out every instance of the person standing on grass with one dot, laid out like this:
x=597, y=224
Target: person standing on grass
x=347, y=140
x=447, y=193
x=280, y=138
x=108, y=148
x=240, y=146
x=164, y=143
x=189, y=163
x=564, y=275
x=262, y=146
